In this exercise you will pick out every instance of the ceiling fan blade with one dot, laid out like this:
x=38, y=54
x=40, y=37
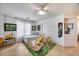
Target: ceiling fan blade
x=37, y=8
x=44, y=5
x=41, y=6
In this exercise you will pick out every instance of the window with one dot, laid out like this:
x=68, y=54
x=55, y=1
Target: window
x=23, y=29
x=20, y=29
x=27, y=29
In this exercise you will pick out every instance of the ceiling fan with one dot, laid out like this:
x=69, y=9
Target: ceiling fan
x=42, y=8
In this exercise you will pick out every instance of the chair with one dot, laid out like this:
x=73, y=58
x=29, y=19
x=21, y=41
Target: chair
x=48, y=41
x=1, y=42
x=39, y=43
x=35, y=47
x=9, y=39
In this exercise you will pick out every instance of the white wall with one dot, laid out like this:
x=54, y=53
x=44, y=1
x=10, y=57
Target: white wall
x=50, y=28
x=34, y=24
x=78, y=27
x=6, y=20
x=71, y=39
x=9, y=19
x=1, y=25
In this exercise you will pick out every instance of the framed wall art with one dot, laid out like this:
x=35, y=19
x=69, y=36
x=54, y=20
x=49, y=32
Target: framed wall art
x=9, y=27
x=70, y=25
x=38, y=27
x=60, y=29
x=33, y=28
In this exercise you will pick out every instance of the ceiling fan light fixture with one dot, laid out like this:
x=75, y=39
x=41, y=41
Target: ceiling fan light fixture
x=45, y=8
x=41, y=12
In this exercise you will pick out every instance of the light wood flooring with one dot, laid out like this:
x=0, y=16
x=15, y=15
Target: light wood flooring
x=19, y=49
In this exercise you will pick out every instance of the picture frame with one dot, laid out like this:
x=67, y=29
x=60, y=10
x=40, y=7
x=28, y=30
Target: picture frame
x=70, y=25
x=9, y=27
x=60, y=29
x=38, y=27
x=33, y=28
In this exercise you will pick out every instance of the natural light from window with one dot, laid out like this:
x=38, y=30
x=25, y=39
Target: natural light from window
x=23, y=29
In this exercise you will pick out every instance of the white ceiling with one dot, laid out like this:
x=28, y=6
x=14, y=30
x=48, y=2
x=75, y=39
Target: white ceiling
x=24, y=10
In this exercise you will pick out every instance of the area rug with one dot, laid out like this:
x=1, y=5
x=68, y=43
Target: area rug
x=42, y=52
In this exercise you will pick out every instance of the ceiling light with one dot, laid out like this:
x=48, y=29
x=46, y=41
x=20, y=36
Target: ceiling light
x=45, y=8
x=41, y=12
